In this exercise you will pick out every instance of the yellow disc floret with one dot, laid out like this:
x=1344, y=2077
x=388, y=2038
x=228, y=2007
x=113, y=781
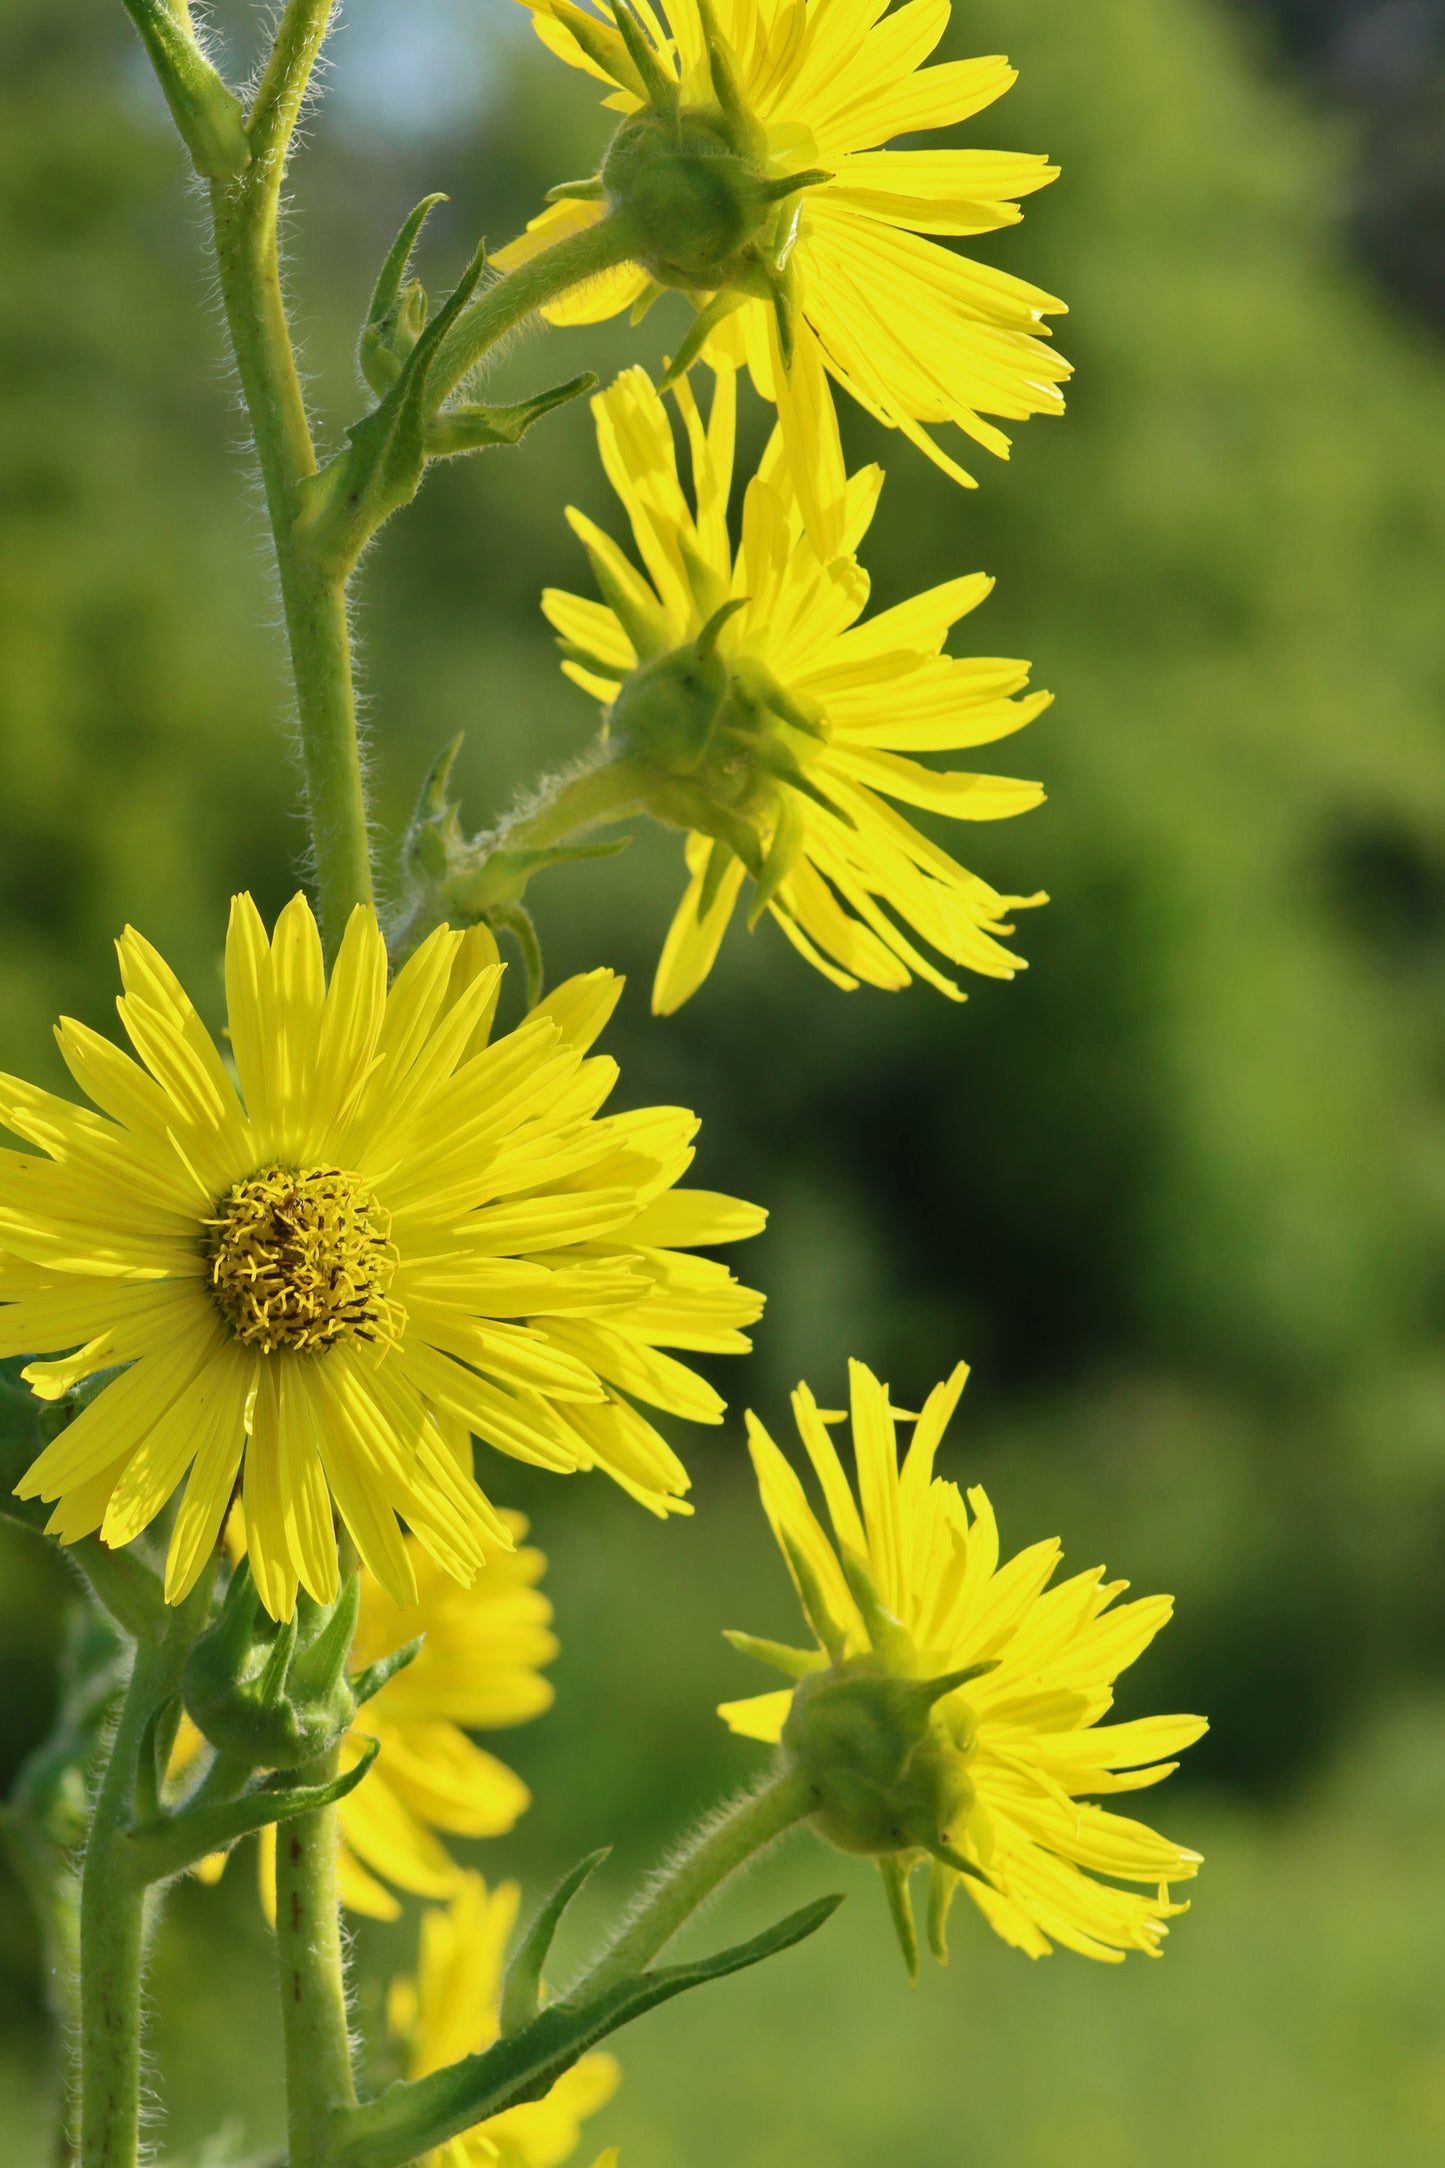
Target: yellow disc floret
x=303, y=1260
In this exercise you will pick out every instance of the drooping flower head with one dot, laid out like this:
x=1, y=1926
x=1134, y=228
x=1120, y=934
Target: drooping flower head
x=320, y=1277
x=774, y=725
x=833, y=275
x=450, y=2009
x=954, y=1707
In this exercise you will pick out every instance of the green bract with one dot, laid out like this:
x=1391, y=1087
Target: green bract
x=886, y=1761
x=274, y=1697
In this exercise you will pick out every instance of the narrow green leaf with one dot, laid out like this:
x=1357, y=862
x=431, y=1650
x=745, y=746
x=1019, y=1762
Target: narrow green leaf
x=368, y=1683
x=413, y=2116
x=472, y=428
x=378, y=355
x=156, y=1850
x=660, y=87
x=815, y=1605
x=517, y=921
x=793, y=1663
x=522, y=1993
x=154, y=1758
x=900, y=1908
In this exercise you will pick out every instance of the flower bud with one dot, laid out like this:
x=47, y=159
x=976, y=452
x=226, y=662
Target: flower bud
x=275, y=1696
x=887, y=1771
x=696, y=204
x=667, y=711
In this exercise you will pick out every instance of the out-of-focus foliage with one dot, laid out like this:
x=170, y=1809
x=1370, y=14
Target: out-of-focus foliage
x=1382, y=63
x=1178, y=1192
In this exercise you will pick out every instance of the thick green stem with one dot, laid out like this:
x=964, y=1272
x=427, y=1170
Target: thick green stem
x=313, y=599
x=738, y=1834
x=520, y=293
x=113, y=1904
x=312, y=1975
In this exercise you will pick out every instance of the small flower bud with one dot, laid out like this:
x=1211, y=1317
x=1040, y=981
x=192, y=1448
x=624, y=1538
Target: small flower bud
x=887, y=1769
x=276, y=1696
x=696, y=205
x=667, y=711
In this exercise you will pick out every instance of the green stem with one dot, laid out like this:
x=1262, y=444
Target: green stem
x=739, y=1833
x=490, y=873
x=520, y=293
x=113, y=1907
x=313, y=599
x=570, y=804
x=312, y=1973
x=412, y=2118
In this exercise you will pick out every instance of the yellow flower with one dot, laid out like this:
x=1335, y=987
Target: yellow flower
x=786, y=726
x=450, y=2009
x=915, y=332
x=393, y=1235
x=1016, y=1752
x=478, y=1670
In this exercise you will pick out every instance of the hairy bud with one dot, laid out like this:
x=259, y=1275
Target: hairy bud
x=276, y=1696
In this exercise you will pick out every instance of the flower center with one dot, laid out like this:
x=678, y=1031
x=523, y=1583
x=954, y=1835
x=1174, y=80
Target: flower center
x=303, y=1261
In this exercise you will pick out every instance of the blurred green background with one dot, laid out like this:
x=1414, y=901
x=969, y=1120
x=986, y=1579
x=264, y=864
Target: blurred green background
x=1177, y=1193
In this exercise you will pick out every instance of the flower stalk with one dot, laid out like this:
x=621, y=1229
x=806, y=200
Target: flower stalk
x=738, y=1835
x=311, y=1971
x=114, y=1903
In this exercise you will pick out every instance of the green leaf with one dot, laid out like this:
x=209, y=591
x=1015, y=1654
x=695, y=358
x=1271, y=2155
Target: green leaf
x=516, y=919
x=894, y=1871
x=412, y=2117
x=472, y=428
x=386, y=453
x=391, y=328
x=434, y=835
x=154, y=1851
x=365, y=1685
x=522, y=1992
x=794, y=1663
x=661, y=89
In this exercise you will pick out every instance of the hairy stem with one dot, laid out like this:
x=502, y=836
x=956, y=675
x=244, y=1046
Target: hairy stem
x=487, y=880
x=740, y=1832
x=313, y=600
x=113, y=1905
x=312, y=1976
x=520, y=293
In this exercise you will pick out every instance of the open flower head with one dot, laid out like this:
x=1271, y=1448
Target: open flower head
x=778, y=728
x=1002, y=1787
x=449, y=2009
x=320, y=1276
x=838, y=275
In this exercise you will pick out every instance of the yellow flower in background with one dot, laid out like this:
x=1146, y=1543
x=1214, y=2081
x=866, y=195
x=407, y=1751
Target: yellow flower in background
x=388, y=1233
x=479, y=1669
x=776, y=726
x=1017, y=1751
x=841, y=270
x=450, y=2009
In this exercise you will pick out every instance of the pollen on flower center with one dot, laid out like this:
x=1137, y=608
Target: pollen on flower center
x=302, y=1260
